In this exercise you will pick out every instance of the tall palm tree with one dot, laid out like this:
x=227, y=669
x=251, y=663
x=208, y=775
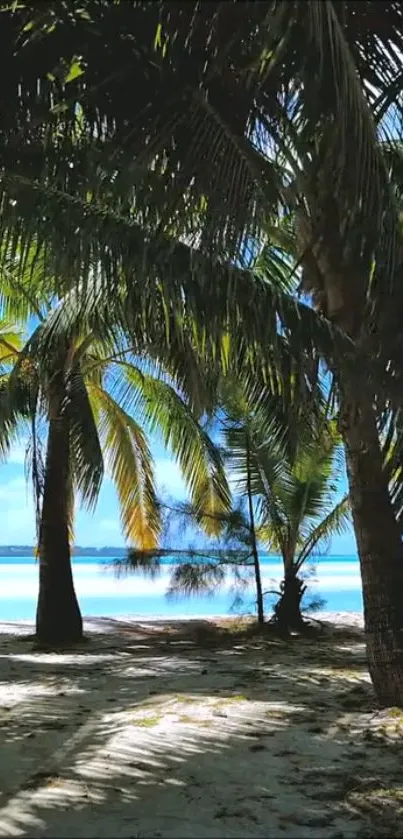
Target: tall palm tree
x=281, y=103
x=367, y=402
x=98, y=403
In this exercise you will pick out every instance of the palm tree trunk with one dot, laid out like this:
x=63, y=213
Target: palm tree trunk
x=341, y=294
x=288, y=609
x=255, y=552
x=58, y=617
x=380, y=549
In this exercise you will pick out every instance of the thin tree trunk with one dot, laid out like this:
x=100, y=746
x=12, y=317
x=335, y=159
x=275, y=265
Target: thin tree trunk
x=380, y=550
x=58, y=617
x=255, y=552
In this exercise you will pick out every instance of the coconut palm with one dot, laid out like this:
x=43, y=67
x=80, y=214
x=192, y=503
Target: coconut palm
x=285, y=500
x=300, y=514
x=239, y=109
x=97, y=403
x=286, y=468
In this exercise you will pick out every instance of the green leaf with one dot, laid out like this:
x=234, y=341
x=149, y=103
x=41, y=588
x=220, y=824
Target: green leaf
x=132, y=470
x=158, y=37
x=162, y=409
x=86, y=452
x=74, y=72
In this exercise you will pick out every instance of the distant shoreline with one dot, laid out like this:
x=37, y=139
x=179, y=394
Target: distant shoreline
x=19, y=551
x=105, y=623
x=26, y=550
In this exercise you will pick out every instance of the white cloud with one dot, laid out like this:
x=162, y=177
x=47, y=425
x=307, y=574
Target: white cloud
x=17, y=519
x=17, y=453
x=169, y=477
x=14, y=491
x=110, y=526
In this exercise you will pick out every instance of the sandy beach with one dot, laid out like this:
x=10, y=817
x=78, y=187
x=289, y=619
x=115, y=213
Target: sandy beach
x=196, y=729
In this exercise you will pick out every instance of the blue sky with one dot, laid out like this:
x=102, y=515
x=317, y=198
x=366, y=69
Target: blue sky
x=99, y=528
x=102, y=527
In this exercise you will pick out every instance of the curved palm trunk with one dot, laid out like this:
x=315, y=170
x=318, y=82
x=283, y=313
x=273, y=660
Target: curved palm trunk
x=58, y=617
x=380, y=550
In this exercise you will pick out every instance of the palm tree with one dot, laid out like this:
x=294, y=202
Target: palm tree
x=284, y=500
x=300, y=514
x=98, y=402
x=366, y=405
x=271, y=123
x=286, y=468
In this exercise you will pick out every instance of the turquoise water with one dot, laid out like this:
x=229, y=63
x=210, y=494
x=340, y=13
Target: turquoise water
x=101, y=593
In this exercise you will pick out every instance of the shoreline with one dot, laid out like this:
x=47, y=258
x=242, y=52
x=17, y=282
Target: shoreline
x=98, y=623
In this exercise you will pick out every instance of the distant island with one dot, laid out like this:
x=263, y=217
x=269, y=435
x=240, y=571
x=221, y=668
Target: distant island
x=29, y=550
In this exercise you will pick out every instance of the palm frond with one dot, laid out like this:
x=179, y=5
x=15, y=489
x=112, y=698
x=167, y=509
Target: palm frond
x=336, y=521
x=35, y=462
x=170, y=278
x=247, y=453
x=162, y=410
x=131, y=466
x=71, y=501
x=26, y=286
x=20, y=398
x=253, y=66
x=85, y=447
x=11, y=341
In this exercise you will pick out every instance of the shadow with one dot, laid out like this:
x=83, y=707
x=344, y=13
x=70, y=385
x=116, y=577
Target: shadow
x=193, y=729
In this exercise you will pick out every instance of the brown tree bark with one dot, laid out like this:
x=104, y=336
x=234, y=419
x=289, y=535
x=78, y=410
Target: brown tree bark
x=58, y=617
x=342, y=291
x=380, y=549
x=287, y=611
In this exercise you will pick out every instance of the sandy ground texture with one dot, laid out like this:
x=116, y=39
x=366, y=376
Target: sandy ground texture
x=194, y=729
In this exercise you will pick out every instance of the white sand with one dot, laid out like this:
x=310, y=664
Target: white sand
x=168, y=729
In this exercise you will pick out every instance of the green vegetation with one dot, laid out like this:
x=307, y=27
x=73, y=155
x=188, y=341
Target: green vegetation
x=97, y=397
x=283, y=487
x=221, y=190
x=301, y=517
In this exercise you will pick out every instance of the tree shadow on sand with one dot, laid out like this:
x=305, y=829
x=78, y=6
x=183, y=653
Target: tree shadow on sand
x=184, y=729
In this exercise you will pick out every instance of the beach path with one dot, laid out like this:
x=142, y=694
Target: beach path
x=187, y=729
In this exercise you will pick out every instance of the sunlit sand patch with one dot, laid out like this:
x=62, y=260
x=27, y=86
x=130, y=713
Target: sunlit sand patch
x=179, y=740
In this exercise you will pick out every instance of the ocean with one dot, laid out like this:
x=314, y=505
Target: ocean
x=335, y=581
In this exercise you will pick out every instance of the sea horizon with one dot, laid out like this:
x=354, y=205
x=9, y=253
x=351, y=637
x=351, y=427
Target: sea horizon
x=107, y=552
x=334, y=580
x=169, y=559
